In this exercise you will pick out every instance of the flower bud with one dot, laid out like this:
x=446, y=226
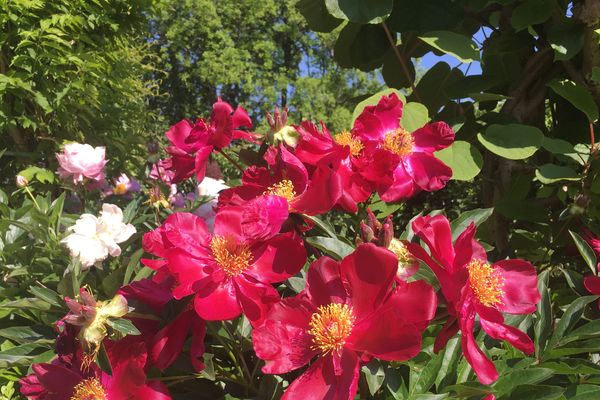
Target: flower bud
x=21, y=181
x=386, y=234
x=366, y=233
x=372, y=221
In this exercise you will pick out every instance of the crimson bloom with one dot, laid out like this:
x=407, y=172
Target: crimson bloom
x=287, y=178
x=474, y=287
x=349, y=311
x=401, y=163
x=341, y=151
x=193, y=142
x=66, y=379
x=231, y=271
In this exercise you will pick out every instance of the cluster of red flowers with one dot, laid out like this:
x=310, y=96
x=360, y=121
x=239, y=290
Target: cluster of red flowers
x=350, y=311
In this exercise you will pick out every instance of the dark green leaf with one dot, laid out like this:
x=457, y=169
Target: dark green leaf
x=477, y=216
x=552, y=173
x=577, y=95
x=531, y=12
x=361, y=12
x=568, y=319
x=317, y=16
x=588, y=254
x=457, y=45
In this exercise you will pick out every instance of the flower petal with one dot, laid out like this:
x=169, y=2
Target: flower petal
x=368, y=274
x=484, y=369
x=435, y=232
x=321, y=194
x=263, y=217
x=255, y=298
x=402, y=187
x=492, y=322
x=467, y=248
x=449, y=329
x=433, y=137
x=521, y=293
x=323, y=282
x=218, y=302
x=428, y=172
x=279, y=258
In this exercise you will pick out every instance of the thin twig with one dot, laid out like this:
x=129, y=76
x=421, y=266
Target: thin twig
x=592, y=141
x=231, y=160
x=400, y=59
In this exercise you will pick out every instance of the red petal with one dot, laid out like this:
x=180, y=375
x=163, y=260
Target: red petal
x=401, y=188
x=375, y=121
x=467, y=249
x=448, y=331
x=197, y=346
x=492, y=322
x=221, y=123
x=152, y=390
x=218, y=302
x=321, y=194
x=179, y=133
x=592, y=284
x=368, y=274
x=428, y=172
x=200, y=161
x=433, y=137
x=187, y=232
x=279, y=258
x=228, y=223
x=483, y=367
x=435, y=232
x=187, y=270
x=283, y=341
x=521, y=293
x=255, y=298
x=323, y=282
x=167, y=344
x=319, y=381
x=57, y=379
x=263, y=217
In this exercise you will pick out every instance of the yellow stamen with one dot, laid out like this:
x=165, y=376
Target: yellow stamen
x=345, y=138
x=330, y=326
x=120, y=188
x=485, y=283
x=233, y=258
x=406, y=260
x=399, y=141
x=89, y=389
x=284, y=189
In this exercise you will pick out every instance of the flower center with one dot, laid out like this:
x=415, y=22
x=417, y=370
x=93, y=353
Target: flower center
x=399, y=141
x=89, y=389
x=284, y=189
x=330, y=326
x=485, y=283
x=232, y=257
x=120, y=188
x=345, y=138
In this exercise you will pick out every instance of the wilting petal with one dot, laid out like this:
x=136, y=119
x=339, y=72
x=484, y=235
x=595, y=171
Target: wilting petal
x=428, y=172
x=320, y=381
x=433, y=137
x=263, y=217
x=467, y=249
x=492, y=322
x=368, y=274
x=148, y=292
x=255, y=298
x=218, y=302
x=449, y=329
x=483, y=367
x=520, y=291
x=167, y=344
x=435, y=232
x=279, y=258
x=324, y=283
x=283, y=341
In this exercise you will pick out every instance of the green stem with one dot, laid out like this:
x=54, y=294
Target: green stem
x=228, y=349
x=32, y=198
x=231, y=160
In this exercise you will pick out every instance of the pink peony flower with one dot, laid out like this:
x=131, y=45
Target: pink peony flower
x=81, y=161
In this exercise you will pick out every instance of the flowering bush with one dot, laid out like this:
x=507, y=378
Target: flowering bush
x=294, y=281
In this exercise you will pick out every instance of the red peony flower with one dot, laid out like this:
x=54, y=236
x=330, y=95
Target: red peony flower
x=66, y=379
x=400, y=163
x=349, y=311
x=231, y=271
x=287, y=178
x=474, y=287
x=317, y=148
x=193, y=142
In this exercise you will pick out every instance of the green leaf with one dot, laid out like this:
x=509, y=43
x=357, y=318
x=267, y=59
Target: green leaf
x=433, y=87
x=582, y=392
x=512, y=141
x=566, y=38
x=48, y=295
x=483, y=97
x=596, y=74
x=374, y=375
x=508, y=382
x=543, y=325
x=537, y=392
x=457, y=45
x=22, y=334
x=587, y=331
x=422, y=376
x=586, y=251
x=557, y=146
x=568, y=319
x=572, y=366
x=42, y=101
x=361, y=12
x=577, y=95
x=464, y=159
x=333, y=247
x=551, y=173
x=531, y=12
x=124, y=326
x=414, y=116
x=476, y=216
x=317, y=16
x=373, y=100
x=324, y=226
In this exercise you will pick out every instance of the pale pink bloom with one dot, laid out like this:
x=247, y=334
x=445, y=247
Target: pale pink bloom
x=81, y=161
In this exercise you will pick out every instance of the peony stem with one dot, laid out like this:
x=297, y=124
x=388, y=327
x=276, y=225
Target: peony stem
x=231, y=160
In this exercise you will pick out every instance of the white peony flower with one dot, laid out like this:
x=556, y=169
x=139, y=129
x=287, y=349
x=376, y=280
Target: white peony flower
x=93, y=239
